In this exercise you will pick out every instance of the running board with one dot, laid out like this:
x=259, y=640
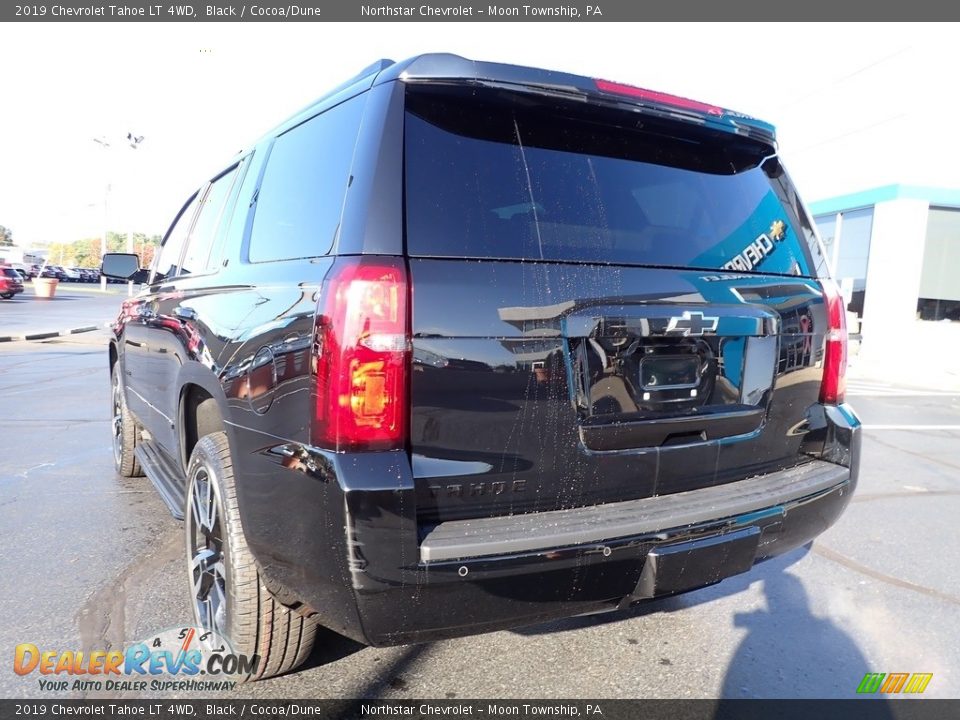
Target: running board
x=165, y=476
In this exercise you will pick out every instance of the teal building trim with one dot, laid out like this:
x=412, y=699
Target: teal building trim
x=865, y=198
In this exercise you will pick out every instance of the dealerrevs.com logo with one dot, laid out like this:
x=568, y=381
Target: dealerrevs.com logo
x=177, y=659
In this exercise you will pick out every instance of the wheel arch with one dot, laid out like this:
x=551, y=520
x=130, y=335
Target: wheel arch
x=201, y=410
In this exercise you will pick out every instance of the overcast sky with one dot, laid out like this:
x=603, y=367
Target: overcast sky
x=856, y=105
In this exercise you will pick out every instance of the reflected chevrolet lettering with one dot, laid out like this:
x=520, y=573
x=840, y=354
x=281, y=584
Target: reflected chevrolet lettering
x=455, y=349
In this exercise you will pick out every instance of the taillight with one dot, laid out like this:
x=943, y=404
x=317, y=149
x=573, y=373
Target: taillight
x=834, y=384
x=362, y=349
x=659, y=98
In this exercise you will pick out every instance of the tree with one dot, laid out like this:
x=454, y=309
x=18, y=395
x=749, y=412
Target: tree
x=145, y=247
x=86, y=252
x=6, y=236
x=116, y=242
x=60, y=254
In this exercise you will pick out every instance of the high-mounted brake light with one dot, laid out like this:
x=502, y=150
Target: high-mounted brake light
x=361, y=353
x=834, y=384
x=658, y=97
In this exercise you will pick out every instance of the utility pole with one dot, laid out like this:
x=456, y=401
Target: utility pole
x=134, y=141
x=106, y=212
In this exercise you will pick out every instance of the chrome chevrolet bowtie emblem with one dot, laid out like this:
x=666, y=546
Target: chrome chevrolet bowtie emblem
x=692, y=323
x=778, y=228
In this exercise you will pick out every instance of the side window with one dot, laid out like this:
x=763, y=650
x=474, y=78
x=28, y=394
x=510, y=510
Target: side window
x=301, y=195
x=233, y=222
x=197, y=257
x=167, y=260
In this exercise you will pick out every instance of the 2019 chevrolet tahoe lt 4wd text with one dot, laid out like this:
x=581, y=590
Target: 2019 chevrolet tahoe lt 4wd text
x=464, y=346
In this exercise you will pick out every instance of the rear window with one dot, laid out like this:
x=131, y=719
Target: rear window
x=10, y=273
x=491, y=179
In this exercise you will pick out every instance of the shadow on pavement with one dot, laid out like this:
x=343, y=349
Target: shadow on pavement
x=730, y=586
x=787, y=653
x=389, y=679
x=330, y=647
x=827, y=661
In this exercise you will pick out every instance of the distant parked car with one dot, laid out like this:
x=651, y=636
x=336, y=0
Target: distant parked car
x=90, y=275
x=43, y=271
x=58, y=272
x=10, y=282
x=72, y=274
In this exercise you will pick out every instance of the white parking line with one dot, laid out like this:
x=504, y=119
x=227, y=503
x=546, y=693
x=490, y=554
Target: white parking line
x=911, y=427
x=862, y=389
x=903, y=393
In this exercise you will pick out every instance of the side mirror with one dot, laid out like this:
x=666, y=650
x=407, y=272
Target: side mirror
x=122, y=266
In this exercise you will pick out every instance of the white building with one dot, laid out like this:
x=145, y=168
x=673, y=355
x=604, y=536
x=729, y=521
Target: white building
x=16, y=254
x=895, y=250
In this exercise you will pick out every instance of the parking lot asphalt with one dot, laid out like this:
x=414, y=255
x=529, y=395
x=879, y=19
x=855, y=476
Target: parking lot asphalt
x=93, y=561
x=75, y=306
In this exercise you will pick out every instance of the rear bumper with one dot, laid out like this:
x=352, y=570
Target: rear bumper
x=615, y=524
x=370, y=572
x=462, y=595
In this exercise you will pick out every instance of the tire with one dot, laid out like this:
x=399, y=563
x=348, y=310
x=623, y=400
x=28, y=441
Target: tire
x=228, y=594
x=126, y=429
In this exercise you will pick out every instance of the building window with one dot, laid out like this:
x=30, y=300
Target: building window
x=939, y=284
x=846, y=236
x=827, y=227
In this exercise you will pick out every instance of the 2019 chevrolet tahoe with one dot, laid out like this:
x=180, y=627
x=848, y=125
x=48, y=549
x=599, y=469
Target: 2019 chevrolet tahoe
x=464, y=346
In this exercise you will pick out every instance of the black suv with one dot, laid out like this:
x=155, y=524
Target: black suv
x=464, y=346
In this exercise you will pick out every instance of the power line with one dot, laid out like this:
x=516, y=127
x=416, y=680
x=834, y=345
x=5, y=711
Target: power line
x=844, y=78
x=850, y=133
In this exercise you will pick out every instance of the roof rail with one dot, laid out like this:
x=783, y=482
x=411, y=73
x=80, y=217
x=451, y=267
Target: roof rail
x=366, y=77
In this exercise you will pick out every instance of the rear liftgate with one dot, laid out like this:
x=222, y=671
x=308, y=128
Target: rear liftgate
x=652, y=375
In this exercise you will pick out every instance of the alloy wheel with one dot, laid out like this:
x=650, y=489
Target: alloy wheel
x=207, y=569
x=117, y=423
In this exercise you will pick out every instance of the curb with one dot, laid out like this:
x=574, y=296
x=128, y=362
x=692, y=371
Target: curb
x=53, y=333
x=81, y=288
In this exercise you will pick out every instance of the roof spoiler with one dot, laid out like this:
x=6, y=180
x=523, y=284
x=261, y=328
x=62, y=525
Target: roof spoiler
x=447, y=68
